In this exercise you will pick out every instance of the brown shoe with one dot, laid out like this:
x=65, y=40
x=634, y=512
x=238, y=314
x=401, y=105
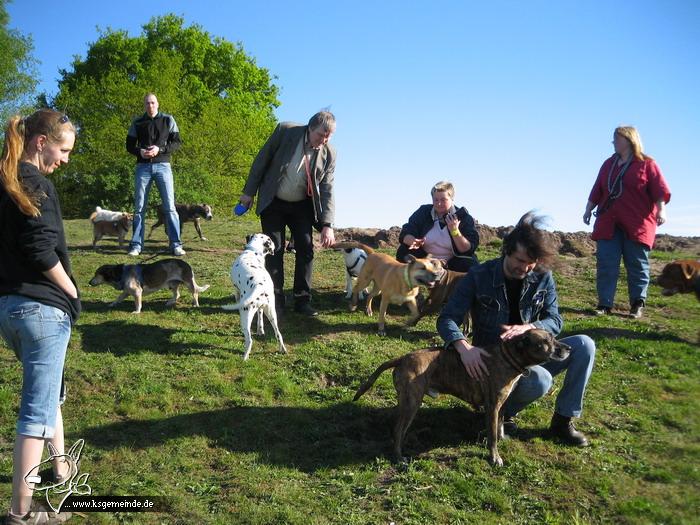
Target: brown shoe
x=563, y=428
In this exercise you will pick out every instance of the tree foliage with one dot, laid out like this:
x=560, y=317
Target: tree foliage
x=222, y=101
x=17, y=68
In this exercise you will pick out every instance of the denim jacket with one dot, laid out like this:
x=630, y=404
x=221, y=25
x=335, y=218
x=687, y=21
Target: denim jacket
x=482, y=292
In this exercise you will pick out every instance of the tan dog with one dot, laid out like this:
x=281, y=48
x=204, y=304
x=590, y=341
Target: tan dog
x=678, y=276
x=118, y=228
x=442, y=371
x=397, y=282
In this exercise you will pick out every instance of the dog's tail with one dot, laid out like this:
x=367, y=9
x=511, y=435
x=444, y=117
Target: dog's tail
x=200, y=289
x=370, y=381
x=352, y=244
x=233, y=306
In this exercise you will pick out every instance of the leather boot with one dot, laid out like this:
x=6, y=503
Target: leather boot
x=563, y=428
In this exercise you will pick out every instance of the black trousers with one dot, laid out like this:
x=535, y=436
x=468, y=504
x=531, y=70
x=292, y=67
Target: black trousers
x=299, y=217
x=457, y=264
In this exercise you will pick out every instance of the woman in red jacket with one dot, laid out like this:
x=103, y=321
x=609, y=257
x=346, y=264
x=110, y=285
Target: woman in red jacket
x=631, y=196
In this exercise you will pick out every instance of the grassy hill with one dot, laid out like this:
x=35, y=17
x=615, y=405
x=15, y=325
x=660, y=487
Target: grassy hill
x=167, y=407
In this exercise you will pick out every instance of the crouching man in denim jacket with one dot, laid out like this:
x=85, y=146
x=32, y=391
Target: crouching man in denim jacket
x=506, y=297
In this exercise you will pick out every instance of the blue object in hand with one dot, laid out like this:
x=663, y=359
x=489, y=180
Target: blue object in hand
x=239, y=209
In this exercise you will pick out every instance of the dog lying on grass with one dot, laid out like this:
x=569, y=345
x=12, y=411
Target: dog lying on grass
x=397, y=282
x=138, y=280
x=679, y=276
x=254, y=290
x=442, y=371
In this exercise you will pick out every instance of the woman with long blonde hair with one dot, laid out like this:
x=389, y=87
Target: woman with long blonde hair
x=38, y=297
x=630, y=194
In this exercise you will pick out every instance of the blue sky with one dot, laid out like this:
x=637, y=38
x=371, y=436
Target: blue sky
x=515, y=102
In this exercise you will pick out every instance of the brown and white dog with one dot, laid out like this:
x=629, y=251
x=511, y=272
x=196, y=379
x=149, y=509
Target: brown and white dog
x=678, y=276
x=396, y=282
x=442, y=371
x=138, y=280
x=186, y=213
x=108, y=223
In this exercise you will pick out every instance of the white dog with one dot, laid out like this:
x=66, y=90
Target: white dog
x=254, y=290
x=100, y=215
x=354, y=261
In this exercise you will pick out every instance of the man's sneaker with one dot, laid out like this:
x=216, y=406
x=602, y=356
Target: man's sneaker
x=563, y=428
x=178, y=251
x=134, y=252
x=602, y=310
x=637, y=309
x=38, y=518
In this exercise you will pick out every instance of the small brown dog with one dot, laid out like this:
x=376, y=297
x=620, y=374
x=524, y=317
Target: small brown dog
x=142, y=279
x=397, y=282
x=678, y=276
x=107, y=223
x=442, y=371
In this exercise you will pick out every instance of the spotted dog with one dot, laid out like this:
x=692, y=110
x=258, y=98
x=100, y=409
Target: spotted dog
x=354, y=261
x=143, y=279
x=254, y=290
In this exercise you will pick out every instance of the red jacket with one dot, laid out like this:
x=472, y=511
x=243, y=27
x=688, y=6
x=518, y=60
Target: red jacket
x=635, y=210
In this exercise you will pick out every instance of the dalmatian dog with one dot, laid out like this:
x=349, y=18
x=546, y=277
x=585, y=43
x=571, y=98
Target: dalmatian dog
x=354, y=261
x=254, y=290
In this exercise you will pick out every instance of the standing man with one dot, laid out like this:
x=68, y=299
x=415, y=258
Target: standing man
x=152, y=138
x=506, y=297
x=293, y=177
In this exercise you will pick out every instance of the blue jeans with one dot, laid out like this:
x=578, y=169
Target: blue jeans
x=538, y=381
x=636, y=258
x=38, y=334
x=162, y=175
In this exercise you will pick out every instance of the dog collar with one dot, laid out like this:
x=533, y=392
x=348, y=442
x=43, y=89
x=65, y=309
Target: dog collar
x=510, y=358
x=361, y=257
x=406, y=276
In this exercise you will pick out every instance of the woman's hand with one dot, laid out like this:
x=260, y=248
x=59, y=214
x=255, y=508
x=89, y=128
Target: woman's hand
x=412, y=242
x=660, y=213
x=587, y=217
x=452, y=221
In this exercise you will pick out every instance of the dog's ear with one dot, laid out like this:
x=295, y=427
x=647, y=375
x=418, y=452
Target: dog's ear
x=248, y=238
x=409, y=259
x=687, y=271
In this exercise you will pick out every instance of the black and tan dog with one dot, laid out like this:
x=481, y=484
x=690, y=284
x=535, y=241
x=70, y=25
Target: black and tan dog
x=442, y=371
x=186, y=213
x=396, y=282
x=143, y=279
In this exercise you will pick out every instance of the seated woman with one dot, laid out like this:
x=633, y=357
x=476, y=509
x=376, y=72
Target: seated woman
x=441, y=230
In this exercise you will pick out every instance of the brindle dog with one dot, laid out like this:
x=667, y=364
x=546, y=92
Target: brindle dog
x=442, y=371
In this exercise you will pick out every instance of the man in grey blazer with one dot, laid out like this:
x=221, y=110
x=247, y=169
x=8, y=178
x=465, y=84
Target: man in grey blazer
x=293, y=177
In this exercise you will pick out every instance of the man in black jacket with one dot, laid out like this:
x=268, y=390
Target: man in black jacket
x=152, y=138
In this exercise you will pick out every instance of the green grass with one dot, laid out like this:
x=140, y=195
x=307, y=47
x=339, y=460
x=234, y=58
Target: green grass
x=167, y=406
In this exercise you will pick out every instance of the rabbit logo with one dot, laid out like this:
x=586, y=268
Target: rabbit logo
x=57, y=490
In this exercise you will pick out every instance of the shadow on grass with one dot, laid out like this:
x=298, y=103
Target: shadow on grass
x=622, y=333
x=303, y=438
x=121, y=338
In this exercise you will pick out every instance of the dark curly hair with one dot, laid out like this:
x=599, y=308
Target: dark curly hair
x=529, y=234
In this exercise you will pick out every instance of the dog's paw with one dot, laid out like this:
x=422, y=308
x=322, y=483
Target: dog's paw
x=136, y=312
x=204, y=239
x=496, y=461
x=381, y=332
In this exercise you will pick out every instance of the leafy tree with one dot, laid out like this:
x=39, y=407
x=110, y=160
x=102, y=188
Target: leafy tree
x=222, y=101
x=17, y=68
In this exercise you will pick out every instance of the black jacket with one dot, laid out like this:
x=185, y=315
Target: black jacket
x=160, y=131
x=32, y=245
x=421, y=222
